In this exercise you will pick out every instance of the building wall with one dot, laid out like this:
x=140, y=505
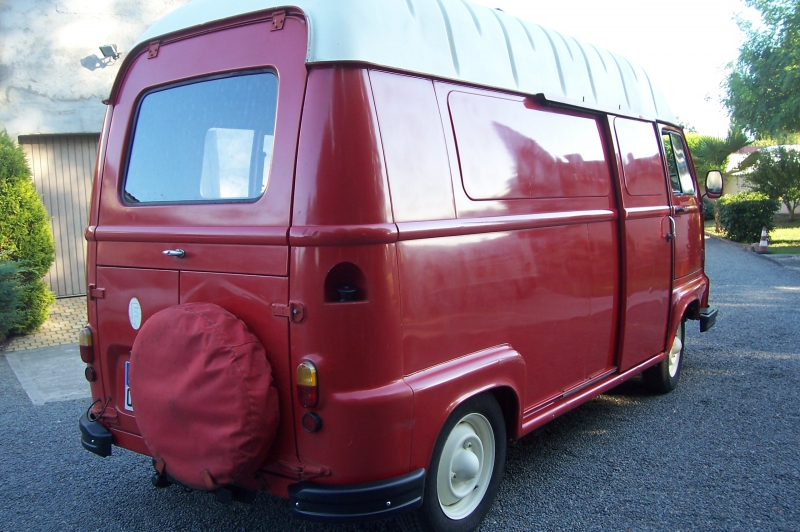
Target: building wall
x=52, y=78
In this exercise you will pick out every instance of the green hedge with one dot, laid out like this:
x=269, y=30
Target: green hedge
x=9, y=297
x=743, y=215
x=25, y=236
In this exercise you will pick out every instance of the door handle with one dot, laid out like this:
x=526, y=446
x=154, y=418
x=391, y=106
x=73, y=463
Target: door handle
x=680, y=210
x=671, y=235
x=179, y=253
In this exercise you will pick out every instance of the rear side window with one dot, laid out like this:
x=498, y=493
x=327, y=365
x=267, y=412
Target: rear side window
x=509, y=150
x=207, y=141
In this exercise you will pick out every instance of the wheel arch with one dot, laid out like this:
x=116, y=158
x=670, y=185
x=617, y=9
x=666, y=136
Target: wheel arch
x=438, y=391
x=509, y=403
x=687, y=299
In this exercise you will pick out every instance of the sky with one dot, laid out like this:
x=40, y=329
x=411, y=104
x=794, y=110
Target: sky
x=684, y=45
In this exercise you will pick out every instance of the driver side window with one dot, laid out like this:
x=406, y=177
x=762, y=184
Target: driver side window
x=679, y=174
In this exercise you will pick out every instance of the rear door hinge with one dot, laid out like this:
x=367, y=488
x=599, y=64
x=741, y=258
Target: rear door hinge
x=278, y=18
x=294, y=311
x=96, y=293
x=152, y=50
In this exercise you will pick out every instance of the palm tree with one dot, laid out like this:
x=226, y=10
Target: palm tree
x=712, y=153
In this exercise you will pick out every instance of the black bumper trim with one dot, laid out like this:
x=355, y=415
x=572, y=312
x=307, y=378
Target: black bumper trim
x=358, y=502
x=708, y=317
x=95, y=437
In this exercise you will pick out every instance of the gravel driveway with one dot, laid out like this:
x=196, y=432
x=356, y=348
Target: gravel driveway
x=719, y=453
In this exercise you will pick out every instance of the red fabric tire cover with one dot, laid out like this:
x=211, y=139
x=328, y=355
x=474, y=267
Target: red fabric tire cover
x=202, y=393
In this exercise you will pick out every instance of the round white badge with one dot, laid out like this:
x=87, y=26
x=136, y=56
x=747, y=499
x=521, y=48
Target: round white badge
x=135, y=314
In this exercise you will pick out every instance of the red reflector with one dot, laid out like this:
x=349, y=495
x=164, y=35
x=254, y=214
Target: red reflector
x=87, y=354
x=307, y=395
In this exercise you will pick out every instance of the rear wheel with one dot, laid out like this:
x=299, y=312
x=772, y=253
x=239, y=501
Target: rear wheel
x=663, y=377
x=465, y=470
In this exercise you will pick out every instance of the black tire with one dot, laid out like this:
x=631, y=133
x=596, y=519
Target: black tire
x=660, y=378
x=433, y=515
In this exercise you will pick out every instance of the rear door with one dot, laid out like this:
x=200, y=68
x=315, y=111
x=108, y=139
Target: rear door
x=196, y=192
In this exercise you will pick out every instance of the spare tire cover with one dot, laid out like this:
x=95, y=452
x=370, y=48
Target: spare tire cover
x=202, y=393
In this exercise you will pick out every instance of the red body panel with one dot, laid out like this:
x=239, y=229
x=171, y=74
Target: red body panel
x=342, y=200
x=490, y=243
x=545, y=268
x=647, y=253
x=155, y=290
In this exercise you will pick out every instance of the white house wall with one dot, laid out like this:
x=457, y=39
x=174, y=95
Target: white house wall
x=45, y=49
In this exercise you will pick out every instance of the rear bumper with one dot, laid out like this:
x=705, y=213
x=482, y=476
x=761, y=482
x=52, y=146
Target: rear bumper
x=708, y=317
x=358, y=502
x=95, y=437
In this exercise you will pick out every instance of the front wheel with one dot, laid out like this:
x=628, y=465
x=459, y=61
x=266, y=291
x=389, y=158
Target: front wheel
x=663, y=377
x=465, y=470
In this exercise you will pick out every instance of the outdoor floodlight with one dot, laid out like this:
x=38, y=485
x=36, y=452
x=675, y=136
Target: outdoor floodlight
x=109, y=50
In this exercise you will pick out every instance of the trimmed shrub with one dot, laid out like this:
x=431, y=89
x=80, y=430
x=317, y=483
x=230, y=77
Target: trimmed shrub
x=25, y=236
x=35, y=298
x=9, y=297
x=708, y=209
x=743, y=215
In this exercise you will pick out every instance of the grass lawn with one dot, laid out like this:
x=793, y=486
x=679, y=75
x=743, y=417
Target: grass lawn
x=784, y=239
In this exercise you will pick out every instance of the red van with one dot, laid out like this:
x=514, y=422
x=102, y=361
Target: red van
x=344, y=251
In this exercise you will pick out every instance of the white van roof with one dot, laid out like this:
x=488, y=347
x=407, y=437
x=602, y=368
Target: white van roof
x=456, y=40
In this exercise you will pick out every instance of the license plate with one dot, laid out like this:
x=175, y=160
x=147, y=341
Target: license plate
x=128, y=404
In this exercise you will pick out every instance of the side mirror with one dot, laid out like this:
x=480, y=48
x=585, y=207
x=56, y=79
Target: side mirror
x=714, y=184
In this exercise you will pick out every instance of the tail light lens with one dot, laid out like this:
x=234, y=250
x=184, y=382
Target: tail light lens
x=307, y=384
x=86, y=345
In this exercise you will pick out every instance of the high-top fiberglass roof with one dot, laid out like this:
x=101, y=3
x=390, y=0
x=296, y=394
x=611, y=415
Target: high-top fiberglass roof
x=456, y=40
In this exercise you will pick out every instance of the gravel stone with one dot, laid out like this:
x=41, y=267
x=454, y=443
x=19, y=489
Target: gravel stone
x=718, y=453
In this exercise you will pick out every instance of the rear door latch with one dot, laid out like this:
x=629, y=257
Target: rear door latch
x=294, y=311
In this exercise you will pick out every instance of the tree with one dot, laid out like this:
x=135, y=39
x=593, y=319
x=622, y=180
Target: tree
x=712, y=153
x=25, y=236
x=762, y=87
x=777, y=174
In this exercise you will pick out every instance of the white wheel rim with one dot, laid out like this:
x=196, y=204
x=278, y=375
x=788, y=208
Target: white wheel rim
x=675, y=356
x=465, y=467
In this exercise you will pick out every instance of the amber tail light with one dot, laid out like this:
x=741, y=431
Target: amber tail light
x=307, y=384
x=86, y=345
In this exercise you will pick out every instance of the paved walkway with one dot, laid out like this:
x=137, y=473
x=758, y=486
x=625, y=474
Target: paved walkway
x=67, y=317
x=47, y=363
x=50, y=374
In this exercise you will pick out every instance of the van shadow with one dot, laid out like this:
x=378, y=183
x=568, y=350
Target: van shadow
x=566, y=439
x=573, y=434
